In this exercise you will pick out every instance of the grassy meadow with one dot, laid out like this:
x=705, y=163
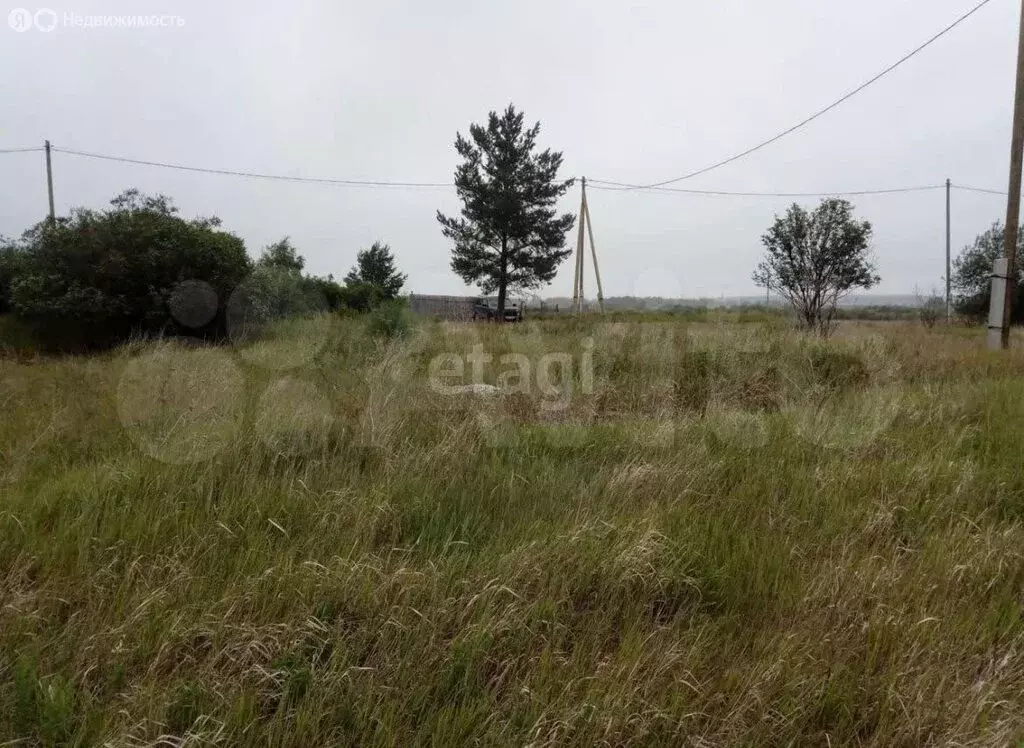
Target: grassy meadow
x=703, y=531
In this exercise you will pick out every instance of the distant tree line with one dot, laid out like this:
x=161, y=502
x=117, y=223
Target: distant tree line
x=95, y=278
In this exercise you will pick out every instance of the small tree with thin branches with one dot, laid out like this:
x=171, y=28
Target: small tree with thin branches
x=816, y=258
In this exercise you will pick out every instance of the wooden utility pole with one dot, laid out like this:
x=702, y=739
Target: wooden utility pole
x=949, y=297
x=49, y=184
x=577, y=281
x=1013, y=201
x=593, y=249
x=586, y=229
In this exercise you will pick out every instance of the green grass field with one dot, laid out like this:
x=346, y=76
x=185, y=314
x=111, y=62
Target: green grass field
x=710, y=531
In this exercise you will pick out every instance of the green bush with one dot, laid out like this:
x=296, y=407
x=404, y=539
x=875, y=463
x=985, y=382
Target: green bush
x=390, y=319
x=332, y=292
x=269, y=294
x=360, y=297
x=16, y=337
x=9, y=258
x=98, y=277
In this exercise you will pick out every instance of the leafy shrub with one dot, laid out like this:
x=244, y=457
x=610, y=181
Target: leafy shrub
x=360, y=297
x=16, y=337
x=390, y=319
x=9, y=258
x=98, y=277
x=332, y=292
x=268, y=294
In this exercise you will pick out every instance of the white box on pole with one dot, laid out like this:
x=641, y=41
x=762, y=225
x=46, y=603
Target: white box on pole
x=995, y=309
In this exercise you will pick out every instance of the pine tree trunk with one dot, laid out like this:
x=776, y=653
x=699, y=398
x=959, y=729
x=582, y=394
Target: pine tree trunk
x=502, y=280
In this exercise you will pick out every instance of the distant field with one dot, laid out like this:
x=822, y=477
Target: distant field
x=707, y=531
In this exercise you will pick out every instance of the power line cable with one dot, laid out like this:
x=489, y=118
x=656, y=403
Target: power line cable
x=820, y=112
x=597, y=184
x=978, y=189
x=251, y=174
x=726, y=193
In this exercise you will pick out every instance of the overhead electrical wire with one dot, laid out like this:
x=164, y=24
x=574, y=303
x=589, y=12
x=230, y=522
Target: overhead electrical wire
x=979, y=189
x=803, y=123
x=595, y=184
x=251, y=174
x=727, y=193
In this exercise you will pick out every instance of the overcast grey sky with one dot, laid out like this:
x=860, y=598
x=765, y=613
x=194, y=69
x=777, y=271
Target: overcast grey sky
x=629, y=91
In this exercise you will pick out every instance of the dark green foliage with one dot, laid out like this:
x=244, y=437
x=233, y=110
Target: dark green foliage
x=360, y=297
x=510, y=233
x=283, y=256
x=98, y=277
x=276, y=289
x=271, y=293
x=816, y=258
x=972, y=275
x=390, y=319
x=9, y=258
x=16, y=337
x=332, y=292
x=376, y=267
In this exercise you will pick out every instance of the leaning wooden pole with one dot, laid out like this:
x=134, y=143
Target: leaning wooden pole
x=577, y=291
x=593, y=249
x=576, y=277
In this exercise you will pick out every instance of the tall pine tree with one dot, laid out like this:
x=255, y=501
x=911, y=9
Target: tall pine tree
x=509, y=233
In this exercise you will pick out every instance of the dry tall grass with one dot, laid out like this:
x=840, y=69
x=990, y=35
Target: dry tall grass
x=737, y=535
